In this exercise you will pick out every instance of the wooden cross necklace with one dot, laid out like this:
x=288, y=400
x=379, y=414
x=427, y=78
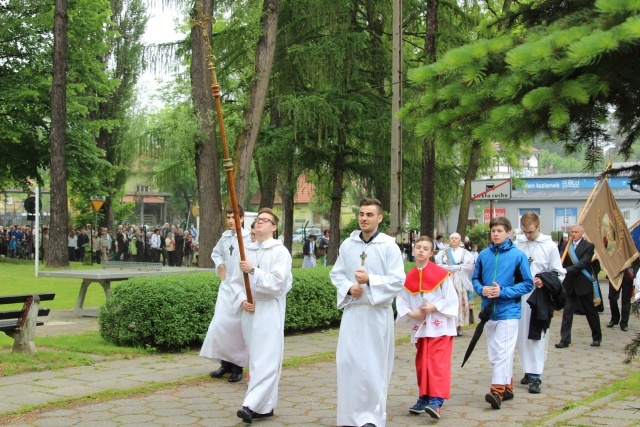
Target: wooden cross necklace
x=363, y=255
x=231, y=248
x=531, y=251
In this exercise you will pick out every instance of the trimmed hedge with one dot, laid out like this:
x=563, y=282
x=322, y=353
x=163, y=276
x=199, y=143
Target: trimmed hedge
x=174, y=312
x=311, y=303
x=165, y=312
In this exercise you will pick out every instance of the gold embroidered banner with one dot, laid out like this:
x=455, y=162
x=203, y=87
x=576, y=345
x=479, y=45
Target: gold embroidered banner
x=605, y=227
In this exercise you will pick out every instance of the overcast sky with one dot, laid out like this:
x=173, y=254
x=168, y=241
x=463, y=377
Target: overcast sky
x=160, y=29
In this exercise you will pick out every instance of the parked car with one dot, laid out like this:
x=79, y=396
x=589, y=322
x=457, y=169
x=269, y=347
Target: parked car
x=298, y=234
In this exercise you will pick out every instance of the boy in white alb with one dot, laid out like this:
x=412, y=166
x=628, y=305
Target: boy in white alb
x=268, y=266
x=224, y=340
x=368, y=275
x=430, y=303
x=543, y=256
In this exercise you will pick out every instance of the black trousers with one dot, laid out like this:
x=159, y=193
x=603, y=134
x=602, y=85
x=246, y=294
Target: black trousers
x=625, y=293
x=155, y=255
x=234, y=369
x=590, y=312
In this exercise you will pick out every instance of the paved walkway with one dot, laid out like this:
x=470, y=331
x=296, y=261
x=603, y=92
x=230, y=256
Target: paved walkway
x=308, y=392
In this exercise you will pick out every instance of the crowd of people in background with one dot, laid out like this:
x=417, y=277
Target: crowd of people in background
x=16, y=242
x=168, y=244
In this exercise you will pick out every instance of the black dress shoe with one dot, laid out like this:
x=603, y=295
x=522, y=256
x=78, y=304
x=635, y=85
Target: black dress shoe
x=595, y=343
x=624, y=328
x=246, y=414
x=534, y=386
x=256, y=415
x=493, y=399
x=235, y=377
x=610, y=325
x=525, y=379
x=562, y=344
x=218, y=373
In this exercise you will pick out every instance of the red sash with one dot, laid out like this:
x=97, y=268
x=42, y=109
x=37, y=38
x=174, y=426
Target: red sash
x=426, y=280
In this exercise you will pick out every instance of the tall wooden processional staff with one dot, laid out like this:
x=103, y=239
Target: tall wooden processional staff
x=203, y=22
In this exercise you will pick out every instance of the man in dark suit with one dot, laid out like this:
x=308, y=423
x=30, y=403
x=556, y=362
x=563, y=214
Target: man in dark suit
x=626, y=289
x=579, y=288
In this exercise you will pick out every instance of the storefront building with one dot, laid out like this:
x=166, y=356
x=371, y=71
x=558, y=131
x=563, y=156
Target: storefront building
x=558, y=199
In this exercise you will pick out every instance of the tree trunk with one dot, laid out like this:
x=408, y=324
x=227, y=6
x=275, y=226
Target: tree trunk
x=246, y=141
x=58, y=255
x=428, y=199
x=336, y=199
x=465, y=202
x=206, y=153
x=268, y=176
x=428, y=193
x=288, y=194
x=383, y=193
x=109, y=216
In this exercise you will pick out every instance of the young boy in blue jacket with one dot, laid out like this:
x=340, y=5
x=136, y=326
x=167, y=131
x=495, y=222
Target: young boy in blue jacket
x=501, y=277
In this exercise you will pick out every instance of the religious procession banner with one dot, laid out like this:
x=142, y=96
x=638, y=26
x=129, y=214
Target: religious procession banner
x=605, y=227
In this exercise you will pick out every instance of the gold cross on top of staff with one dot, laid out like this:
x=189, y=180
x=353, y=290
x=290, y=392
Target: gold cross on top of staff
x=202, y=20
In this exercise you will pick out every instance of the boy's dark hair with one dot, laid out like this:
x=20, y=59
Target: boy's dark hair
x=367, y=201
x=229, y=210
x=500, y=220
x=425, y=239
x=270, y=212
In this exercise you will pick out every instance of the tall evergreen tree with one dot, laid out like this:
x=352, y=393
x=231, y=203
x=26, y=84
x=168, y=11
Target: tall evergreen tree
x=558, y=69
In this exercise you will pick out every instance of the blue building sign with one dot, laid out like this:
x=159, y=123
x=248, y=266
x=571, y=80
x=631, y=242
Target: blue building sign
x=564, y=218
x=571, y=183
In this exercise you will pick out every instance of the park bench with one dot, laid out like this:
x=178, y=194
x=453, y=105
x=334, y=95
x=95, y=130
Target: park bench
x=126, y=265
x=21, y=324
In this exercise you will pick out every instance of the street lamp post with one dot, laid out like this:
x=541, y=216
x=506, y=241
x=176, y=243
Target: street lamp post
x=97, y=203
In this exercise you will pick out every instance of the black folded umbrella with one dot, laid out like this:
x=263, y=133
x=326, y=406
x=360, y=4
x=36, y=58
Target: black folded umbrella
x=484, y=316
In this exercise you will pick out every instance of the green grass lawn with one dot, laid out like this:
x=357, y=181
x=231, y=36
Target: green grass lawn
x=20, y=279
x=63, y=352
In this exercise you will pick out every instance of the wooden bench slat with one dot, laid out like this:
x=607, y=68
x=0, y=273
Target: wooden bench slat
x=18, y=299
x=9, y=325
x=15, y=314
